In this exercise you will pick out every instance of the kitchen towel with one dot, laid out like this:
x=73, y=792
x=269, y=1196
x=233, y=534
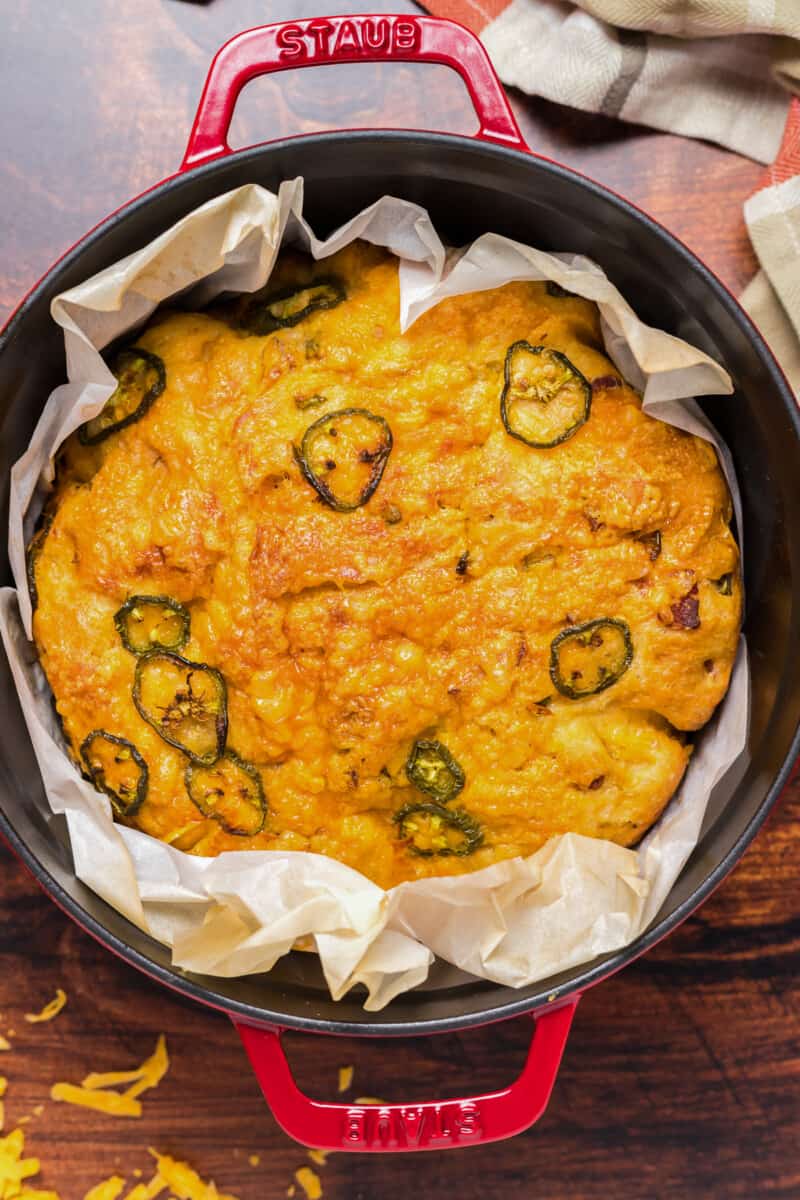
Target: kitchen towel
x=722, y=70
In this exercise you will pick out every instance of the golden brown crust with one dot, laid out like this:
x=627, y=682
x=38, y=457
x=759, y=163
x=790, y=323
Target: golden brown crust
x=345, y=636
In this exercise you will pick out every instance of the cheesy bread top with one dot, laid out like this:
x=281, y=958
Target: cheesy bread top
x=415, y=601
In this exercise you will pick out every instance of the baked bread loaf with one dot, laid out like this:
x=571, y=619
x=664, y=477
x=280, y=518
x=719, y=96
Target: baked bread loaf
x=415, y=601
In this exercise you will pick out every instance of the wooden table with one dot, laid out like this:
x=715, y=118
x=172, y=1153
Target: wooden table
x=681, y=1075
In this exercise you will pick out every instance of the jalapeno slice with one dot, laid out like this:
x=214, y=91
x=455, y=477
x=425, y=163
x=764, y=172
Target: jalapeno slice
x=35, y=546
x=152, y=623
x=116, y=768
x=292, y=305
x=724, y=584
x=545, y=399
x=185, y=702
x=229, y=791
x=343, y=456
x=141, y=378
x=433, y=831
x=432, y=768
x=587, y=659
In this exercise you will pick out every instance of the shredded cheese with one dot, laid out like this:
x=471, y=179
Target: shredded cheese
x=107, y=1189
x=152, y=1070
x=14, y=1170
x=147, y=1191
x=3, y=1085
x=290, y=1190
x=345, y=1078
x=319, y=1156
x=111, y=1103
x=50, y=1010
x=148, y=1075
x=254, y=1160
x=183, y=1182
x=309, y=1182
x=368, y=1100
x=90, y=1094
x=5, y=1044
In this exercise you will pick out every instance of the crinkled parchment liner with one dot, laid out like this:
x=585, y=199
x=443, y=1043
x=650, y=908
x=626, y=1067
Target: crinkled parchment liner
x=515, y=922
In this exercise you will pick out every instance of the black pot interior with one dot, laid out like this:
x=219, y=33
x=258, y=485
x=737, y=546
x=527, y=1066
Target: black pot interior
x=468, y=188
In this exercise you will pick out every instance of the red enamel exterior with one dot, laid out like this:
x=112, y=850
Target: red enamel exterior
x=468, y=1121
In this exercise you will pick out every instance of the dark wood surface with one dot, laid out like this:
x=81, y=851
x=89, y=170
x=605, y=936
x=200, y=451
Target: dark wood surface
x=682, y=1075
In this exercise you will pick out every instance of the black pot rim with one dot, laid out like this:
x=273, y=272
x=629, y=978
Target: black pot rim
x=582, y=978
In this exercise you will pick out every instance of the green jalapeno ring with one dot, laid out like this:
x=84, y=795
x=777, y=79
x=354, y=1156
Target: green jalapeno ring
x=580, y=631
x=432, y=768
x=376, y=459
x=260, y=317
x=184, y=702
x=193, y=781
x=129, y=612
x=34, y=549
x=121, y=806
x=454, y=818
x=561, y=359
x=724, y=584
x=129, y=356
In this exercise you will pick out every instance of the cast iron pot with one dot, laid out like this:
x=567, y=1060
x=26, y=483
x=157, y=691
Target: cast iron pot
x=469, y=185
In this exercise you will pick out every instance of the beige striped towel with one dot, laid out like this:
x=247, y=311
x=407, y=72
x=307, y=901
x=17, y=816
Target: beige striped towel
x=722, y=70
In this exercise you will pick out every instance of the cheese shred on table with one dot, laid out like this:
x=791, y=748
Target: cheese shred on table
x=345, y=1078
x=110, y=1103
x=147, y=1191
x=91, y=1093
x=14, y=1170
x=184, y=1183
x=107, y=1189
x=50, y=1010
x=309, y=1182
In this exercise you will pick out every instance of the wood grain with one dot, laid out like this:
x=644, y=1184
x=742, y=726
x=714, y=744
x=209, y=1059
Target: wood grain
x=682, y=1075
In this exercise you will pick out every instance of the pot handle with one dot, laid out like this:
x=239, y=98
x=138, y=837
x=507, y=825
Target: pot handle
x=330, y=40
x=432, y=1125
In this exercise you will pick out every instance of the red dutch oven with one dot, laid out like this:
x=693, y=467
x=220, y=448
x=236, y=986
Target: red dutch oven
x=469, y=185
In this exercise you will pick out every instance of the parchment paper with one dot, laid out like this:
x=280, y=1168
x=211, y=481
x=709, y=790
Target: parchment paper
x=516, y=922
